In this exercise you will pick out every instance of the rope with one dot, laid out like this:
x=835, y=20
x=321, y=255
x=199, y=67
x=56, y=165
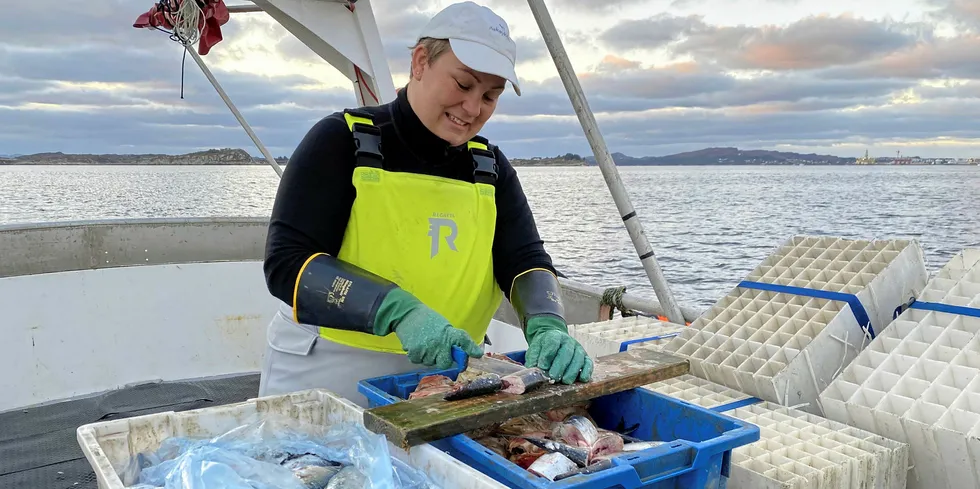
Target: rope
x=187, y=21
x=613, y=296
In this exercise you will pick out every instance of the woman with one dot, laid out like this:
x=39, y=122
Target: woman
x=397, y=230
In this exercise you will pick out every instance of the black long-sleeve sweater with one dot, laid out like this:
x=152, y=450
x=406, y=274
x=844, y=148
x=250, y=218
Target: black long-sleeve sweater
x=315, y=195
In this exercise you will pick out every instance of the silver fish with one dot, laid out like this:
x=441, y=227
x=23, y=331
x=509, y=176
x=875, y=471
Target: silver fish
x=641, y=445
x=578, y=455
x=602, y=464
x=551, y=465
x=577, y=431
x=348, y=478
x=524, y=380
x=317, y=476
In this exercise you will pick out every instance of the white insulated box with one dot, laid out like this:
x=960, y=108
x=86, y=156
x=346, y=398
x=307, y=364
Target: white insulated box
x=919, y=381
x=787, y=330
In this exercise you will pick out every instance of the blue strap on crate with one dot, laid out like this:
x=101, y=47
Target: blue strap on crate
x=947, y=308
x=748, y=401
x=860, y=314
x=624, y=345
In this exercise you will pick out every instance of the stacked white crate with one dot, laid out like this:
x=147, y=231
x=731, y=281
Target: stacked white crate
x=919, y=382
x=787, y=347
x=700, y=392
x=796, y=450
x=607, y=337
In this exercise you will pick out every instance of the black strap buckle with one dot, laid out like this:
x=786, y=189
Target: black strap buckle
x=367, y=139
x=484, y=166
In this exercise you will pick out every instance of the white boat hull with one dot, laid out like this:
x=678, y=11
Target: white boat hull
x=97, y=305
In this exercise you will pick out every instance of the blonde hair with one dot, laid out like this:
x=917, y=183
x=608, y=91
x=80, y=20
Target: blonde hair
x=433, y=48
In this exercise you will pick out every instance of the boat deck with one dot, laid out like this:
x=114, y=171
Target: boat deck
x=38, y=448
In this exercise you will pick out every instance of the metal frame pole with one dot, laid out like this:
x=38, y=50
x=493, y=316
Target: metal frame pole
x=550, y=34
x=234, y=110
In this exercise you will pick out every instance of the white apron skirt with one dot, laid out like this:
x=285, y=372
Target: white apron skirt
x=298, y=358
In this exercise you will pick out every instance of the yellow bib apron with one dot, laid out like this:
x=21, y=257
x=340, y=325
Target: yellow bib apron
x=432, y=236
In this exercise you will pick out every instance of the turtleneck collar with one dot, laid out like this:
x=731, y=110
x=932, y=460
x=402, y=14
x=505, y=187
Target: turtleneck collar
x=430, y=148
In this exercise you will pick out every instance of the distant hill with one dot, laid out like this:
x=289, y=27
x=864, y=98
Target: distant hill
x=567, y=159
x=728, y=156
x=226, y=156
x=234, y=156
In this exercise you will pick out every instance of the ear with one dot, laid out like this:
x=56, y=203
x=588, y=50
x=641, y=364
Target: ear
x=420, y=59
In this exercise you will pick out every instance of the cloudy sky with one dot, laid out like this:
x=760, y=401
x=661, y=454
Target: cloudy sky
x=663, y=76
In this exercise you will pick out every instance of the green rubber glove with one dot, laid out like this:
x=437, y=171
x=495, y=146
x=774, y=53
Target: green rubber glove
x=551, y=349
x=425, y=334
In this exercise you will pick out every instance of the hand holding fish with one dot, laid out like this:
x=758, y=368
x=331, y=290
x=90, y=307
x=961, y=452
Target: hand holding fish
x=551, y=349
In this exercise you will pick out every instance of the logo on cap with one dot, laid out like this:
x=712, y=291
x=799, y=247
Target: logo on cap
x=500, y=29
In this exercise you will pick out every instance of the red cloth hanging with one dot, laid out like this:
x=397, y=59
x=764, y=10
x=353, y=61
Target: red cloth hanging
x=214, y=15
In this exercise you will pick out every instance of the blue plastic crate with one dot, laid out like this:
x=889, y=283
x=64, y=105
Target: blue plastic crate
x=698, y=455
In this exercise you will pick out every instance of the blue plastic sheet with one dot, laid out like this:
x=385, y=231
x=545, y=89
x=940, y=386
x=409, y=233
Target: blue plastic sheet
x=275, y=453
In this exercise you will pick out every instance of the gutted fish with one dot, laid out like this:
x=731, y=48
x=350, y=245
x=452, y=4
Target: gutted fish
x=348, y=478
x=316, y=476
x=577, y=431
x=524, y=380
x=551, y=465
x=487, y=384
x=431, y=385
x=608, y=443
x=576, y=454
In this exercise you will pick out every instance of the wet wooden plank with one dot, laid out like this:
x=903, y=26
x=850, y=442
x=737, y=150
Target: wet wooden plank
x=410, y=423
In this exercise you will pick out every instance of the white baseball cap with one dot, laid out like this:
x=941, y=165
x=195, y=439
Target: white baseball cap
x=479, y=38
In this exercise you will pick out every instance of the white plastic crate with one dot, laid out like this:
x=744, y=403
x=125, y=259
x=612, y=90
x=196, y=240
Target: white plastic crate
x=919, y=382
x=787, y=347
x=606, y=337
x=109, y=445
x=697, y=391
x=800, y=450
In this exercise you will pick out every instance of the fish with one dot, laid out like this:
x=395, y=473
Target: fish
x=524, y=380
x=578, y=455
x=641, y=445
x=297, y=460
x=563, y=413
x=316, y=476
x=551, y=465
x=431, y=385
x=608, y=443
x=602, y=464
x=486, y=384
x=577, y=431
x=348, y=478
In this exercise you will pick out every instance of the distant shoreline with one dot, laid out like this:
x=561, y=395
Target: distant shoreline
x=705, y=157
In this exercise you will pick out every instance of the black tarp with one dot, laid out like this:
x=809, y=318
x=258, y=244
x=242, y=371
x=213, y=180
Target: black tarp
x=38, y=445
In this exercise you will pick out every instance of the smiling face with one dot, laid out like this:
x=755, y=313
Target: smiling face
x=451, y=100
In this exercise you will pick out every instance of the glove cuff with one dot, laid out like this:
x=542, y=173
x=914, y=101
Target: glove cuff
x=334, y=294
x=536, y=292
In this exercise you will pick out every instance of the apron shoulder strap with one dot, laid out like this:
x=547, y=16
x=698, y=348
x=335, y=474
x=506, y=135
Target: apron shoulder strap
x=367, y=138
x=484, y=160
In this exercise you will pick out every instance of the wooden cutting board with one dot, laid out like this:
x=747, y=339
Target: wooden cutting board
x=410, y=423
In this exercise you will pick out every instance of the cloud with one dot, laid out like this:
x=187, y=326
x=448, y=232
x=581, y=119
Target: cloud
x=963, y=13
x=90, y=82
x=812, y=42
